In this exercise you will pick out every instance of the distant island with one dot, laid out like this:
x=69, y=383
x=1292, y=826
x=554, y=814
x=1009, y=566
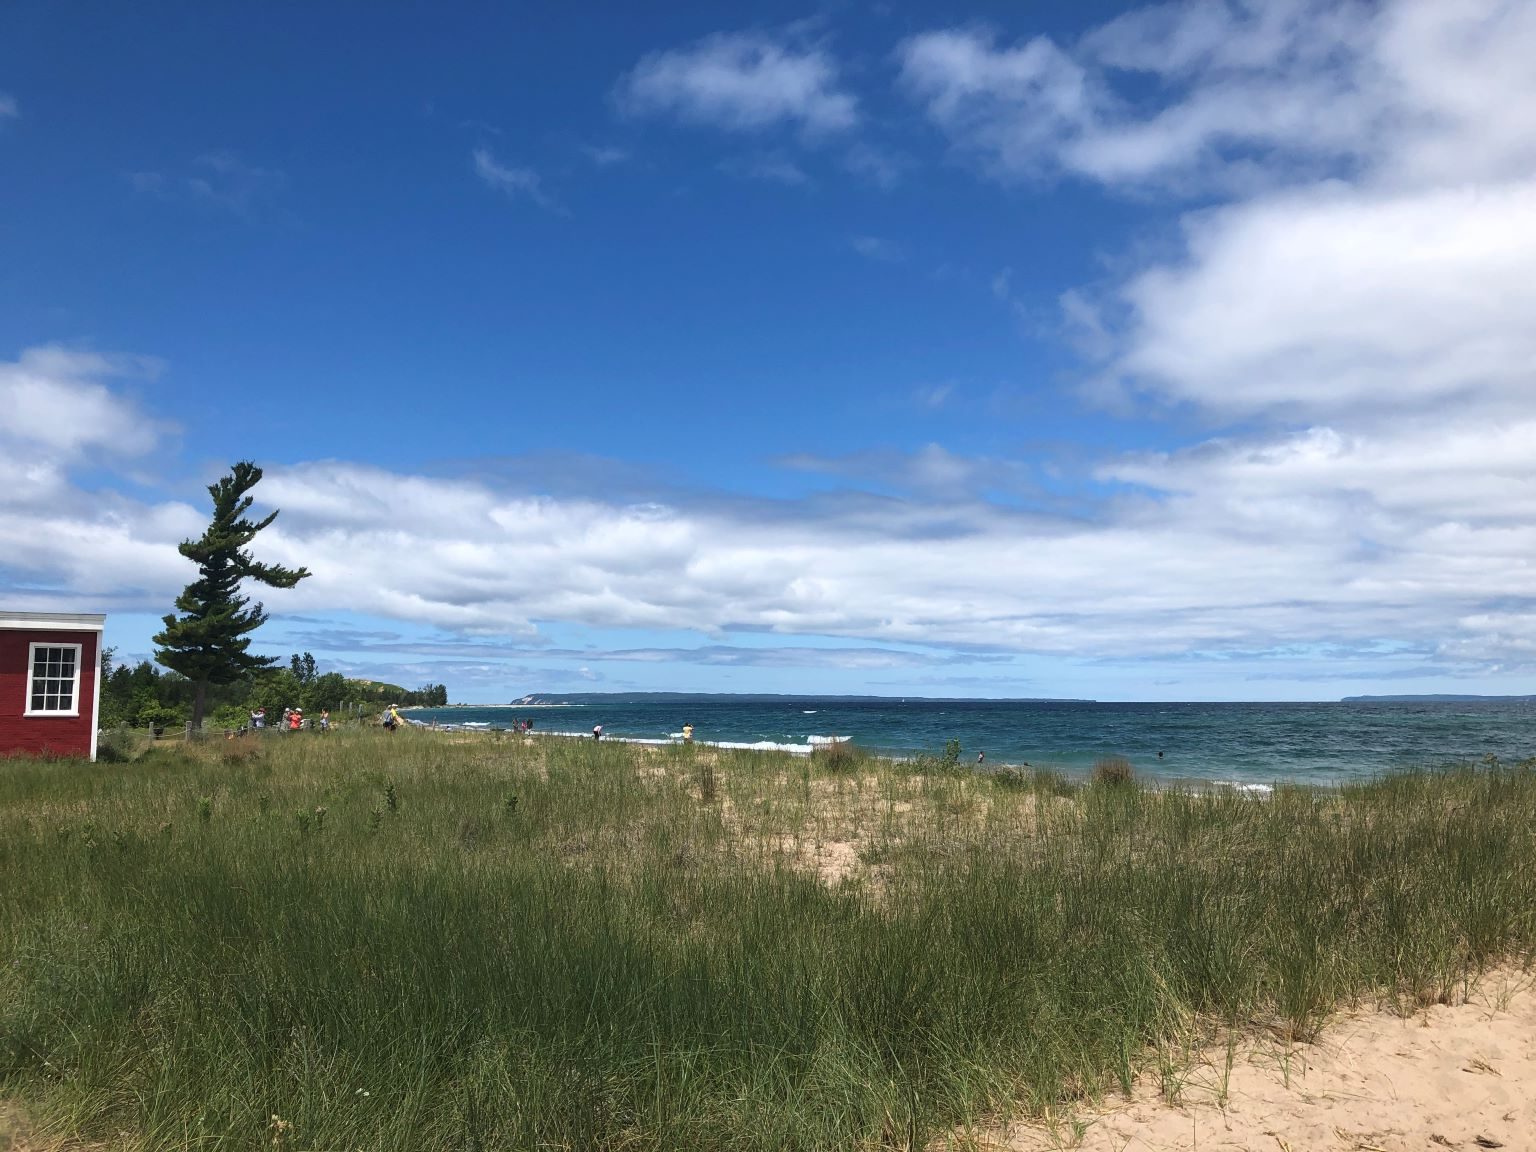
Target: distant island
x=1437, y=698
x=549, y=698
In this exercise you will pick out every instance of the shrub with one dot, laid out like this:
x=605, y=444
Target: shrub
x=1011, y=778
x=842, y=756
x=1113, y=771
x=118, y=746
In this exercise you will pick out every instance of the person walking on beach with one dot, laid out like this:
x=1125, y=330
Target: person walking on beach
x=597, y=731
x=687, y=733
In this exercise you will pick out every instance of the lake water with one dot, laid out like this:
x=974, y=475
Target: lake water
x=1239, y=743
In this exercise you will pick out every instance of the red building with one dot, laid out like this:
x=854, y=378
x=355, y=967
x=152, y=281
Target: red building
x=50, y=687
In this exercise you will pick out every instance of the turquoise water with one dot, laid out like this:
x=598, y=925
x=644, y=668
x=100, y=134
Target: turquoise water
x=1240, y=743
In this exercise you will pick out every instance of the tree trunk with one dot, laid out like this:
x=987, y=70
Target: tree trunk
x=199, y=701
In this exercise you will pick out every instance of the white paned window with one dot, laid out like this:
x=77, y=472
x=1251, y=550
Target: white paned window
x=53, y=688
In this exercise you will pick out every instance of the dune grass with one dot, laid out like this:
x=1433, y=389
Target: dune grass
x=423, y=942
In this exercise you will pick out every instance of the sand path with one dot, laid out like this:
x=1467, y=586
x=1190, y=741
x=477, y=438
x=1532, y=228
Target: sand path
x=1447, y=1077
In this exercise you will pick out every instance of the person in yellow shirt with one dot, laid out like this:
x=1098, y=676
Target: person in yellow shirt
x=687, y=733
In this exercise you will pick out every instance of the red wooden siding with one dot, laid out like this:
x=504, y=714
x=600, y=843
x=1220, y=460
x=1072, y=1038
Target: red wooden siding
x=45, y=735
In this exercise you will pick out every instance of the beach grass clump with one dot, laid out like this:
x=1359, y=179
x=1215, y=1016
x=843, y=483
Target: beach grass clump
x=838, y=756
x=443, y=942
x=1113, y=771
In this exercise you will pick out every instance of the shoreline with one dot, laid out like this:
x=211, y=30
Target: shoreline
x=804, y=751
x=1242, y=745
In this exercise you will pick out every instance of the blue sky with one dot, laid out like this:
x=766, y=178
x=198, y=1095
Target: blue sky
x=1133, y=352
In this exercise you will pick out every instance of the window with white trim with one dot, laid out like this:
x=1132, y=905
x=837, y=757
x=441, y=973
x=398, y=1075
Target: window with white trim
x=54, y=684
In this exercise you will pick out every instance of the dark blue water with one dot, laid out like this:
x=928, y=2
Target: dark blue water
x=1242, y=743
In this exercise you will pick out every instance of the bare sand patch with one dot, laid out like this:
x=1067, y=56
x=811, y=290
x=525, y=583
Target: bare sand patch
x=1445, y=1077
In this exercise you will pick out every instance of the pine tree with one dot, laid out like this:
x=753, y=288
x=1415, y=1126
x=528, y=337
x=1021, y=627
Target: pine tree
x=207, y=643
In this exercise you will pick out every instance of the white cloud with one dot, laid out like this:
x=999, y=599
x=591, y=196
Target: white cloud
x=55, y=399
x=513, y=181
x=1248, y=93
x=742, y=82
x=1316, y=541
x=1369, y=280
x=1404, y=278
x=1333, y=299
x=1419, y=539
x=1015, y=105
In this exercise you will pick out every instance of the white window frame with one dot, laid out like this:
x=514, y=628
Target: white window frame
x=74, y=696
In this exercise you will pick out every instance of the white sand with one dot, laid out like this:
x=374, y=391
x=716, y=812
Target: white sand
x=1448, y=1077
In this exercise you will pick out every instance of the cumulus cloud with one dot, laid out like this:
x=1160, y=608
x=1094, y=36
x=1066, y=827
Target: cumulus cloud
x=746, y=81
x=1249, y=92
x=56, y=399
x=1236, y=553
x=1337, y=298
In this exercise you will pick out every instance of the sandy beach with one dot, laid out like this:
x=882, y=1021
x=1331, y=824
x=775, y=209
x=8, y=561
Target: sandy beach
x=1460, y=1076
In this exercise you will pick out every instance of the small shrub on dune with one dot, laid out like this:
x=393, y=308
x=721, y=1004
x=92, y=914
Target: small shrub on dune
x=1113, y=772
x=1010, y=778
x=842, y=756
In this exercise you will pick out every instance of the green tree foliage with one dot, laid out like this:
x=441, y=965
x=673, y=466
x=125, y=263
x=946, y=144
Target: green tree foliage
x=144, y=696
x=208, y=642
x=377, y=692
x=141, y=696
x=303, y=668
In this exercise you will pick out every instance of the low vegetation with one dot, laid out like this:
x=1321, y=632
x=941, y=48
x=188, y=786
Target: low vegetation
x=1113, y=771
x=428, y=941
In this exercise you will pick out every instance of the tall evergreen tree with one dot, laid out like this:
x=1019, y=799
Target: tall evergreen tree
x=207, y=643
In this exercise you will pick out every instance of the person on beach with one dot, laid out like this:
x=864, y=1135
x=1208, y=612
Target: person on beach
x=687, y=733
x=981, y=757
x=597, y=731
x=392, y=717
